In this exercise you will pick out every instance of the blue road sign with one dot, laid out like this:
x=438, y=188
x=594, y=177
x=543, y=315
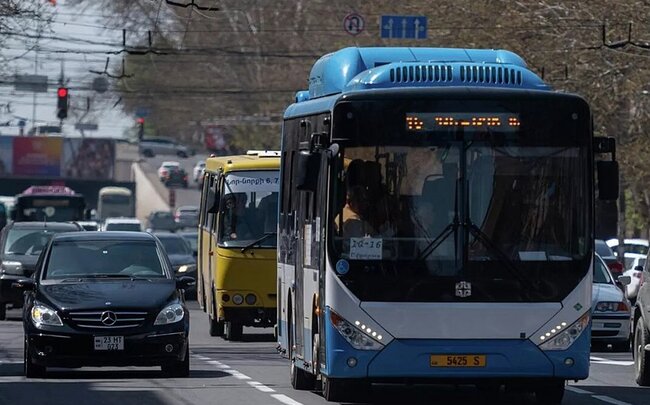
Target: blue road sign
x=403, y=27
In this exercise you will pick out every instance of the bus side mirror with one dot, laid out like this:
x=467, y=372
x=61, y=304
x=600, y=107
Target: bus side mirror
x=12, y=214
x=307, y=170
x=607, y=179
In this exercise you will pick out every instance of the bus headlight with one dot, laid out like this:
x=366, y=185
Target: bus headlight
x=237, y=299
x=565, y=338
x=353, y=335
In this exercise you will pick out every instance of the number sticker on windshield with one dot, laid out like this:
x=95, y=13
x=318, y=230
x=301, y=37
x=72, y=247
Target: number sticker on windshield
x=365, y=248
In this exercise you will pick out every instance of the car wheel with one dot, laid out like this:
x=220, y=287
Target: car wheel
x=550, y=393
x=178, y=368
x=3, y=311
x=32, y=370
x=641, y=356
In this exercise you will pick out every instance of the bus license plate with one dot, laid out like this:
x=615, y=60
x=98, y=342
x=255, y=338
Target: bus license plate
x=109, y=343
x=458, y=360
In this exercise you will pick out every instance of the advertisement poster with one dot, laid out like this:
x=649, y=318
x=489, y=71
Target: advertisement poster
x=6, y=154
x=88, y=158
x=37, y=156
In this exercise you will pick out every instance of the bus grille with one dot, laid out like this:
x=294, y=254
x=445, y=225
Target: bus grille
x=421, y=73
x=490, y=74
x=116, y=319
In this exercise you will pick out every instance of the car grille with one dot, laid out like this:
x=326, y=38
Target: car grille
x=97, y=319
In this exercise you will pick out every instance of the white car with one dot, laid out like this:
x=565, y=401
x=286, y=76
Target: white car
x=122, y=224
x=166, y=167
x=634, y=264
x=610, y=310
x=151, y=147
x=197, y=172
x=639, y=246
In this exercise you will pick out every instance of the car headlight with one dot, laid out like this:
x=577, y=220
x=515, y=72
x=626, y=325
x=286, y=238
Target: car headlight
x=353, y=335
x=566, y=337
x=184, y=268
x=617, y=306
x=170, y=314
x=11, y=267
x=45, y=316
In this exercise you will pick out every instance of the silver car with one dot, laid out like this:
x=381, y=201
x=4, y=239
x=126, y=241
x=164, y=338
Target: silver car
x=151, y=147
x=610, y=310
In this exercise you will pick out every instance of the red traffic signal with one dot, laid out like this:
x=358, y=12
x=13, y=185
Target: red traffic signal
x=62, y=102
x=140, y=120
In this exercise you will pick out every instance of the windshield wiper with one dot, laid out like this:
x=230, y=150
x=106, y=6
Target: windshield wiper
x=258, y=241
x=120, y=276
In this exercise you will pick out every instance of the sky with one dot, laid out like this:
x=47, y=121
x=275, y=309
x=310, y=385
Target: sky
x=78, y=31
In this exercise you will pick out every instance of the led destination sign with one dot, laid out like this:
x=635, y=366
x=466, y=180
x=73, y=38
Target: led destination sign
x=471, y=121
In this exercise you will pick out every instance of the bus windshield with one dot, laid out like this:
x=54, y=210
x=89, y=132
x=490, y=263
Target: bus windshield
x=50, y=208
x=249, y=209
x=484, y=193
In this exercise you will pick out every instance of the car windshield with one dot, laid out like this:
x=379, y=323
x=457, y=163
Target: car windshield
x=635, y=248
x=631, y=262
x=603, y=250
x=103, y=259
x=28, y=241
x=175, y=245
x=601, y=274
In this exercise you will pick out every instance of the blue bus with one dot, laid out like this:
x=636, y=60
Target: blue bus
x=437, y=224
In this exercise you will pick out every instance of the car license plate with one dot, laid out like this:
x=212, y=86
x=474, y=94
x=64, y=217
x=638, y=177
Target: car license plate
x=109, y=343
x=458, y=360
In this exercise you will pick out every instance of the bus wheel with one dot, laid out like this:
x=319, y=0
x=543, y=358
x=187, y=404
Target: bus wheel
x=233, y=331
x=641, y=356
x=550, y=393
x=336, y=390
x=216, y=327
x=301, y=379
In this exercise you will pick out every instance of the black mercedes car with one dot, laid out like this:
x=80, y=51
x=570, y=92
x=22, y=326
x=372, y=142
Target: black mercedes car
x=20, y=245
x=105, y=299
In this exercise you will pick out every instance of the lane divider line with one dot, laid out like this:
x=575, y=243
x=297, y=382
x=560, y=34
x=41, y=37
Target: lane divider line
x=578, y=390
x=255, y=384
x=610, y=400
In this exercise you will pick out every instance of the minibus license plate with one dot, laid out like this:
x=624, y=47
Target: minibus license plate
x=109, y=343
x=458, y=360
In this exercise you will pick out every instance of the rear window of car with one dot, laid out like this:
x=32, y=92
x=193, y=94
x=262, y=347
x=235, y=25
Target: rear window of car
x=601, y=274
x=104, y=259
x=634, y=248
x=29, y=241
x=123, y=227
x=603, y=250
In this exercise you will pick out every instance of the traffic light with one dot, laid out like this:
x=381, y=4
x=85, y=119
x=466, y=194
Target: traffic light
x=62, y=102
x=140, y=128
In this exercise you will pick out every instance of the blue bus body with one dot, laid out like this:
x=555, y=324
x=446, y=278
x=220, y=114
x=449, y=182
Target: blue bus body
x=539, y=340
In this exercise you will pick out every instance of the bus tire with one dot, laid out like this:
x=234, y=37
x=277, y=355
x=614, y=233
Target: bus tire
x=335, y=390
x=641, y=356
x=233, y=331
x=216, y=327
x=550, y=393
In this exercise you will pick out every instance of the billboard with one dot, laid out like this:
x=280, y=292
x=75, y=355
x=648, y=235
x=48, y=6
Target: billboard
x=37, y=156
x=56, y=157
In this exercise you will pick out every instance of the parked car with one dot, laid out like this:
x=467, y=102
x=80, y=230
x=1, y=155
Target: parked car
x=180, y=255
x=165, y=167
x=160, y=146
x=105, y=299
x=187, y=216
x=20, y=245
x=641, y=331
x=161, y=221
x=197, y=171
x=610, y=258
x=122, y=224
x=611, y=311
x=176, y=177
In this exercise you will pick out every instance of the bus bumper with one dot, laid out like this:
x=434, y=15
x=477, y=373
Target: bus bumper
x=249, y=316
x=409, y=359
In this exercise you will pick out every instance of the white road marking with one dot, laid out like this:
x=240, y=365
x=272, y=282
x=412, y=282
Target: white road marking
x=600, y=360
x=260, y=386
x=285, y=399
x=255, y=384
x=610, y=400
x=577, y=390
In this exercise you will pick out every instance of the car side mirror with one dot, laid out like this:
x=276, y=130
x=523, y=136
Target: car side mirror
x=184, y=282
x=638, y=268
x=624, y=280
x=25, y=284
